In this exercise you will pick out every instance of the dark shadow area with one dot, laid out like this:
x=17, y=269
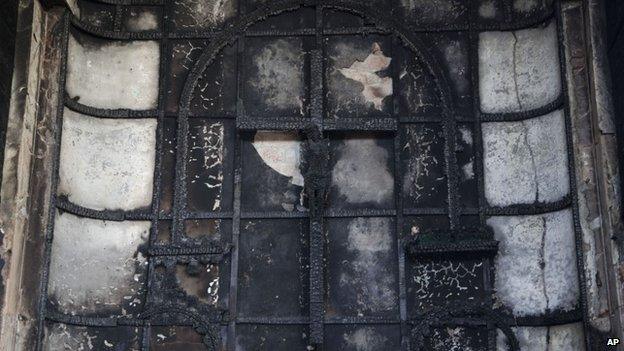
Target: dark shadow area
x=8, y=24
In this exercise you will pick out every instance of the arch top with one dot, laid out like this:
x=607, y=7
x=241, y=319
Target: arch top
x=382, y=22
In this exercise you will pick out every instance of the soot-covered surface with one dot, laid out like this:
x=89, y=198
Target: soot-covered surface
x=393, y=180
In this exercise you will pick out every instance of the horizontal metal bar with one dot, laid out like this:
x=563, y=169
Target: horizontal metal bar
x=524, y=115
x=108, y=113
x=355, y=124
x=273, y=215
x=207, y=215
x=214, y=249
x=287, y=123
x=450, y=250
x=426, y=211
x=530, y=209
x=112, y=34
x=63, y=203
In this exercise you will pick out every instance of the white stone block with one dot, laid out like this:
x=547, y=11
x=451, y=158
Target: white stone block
x=113, y=75
x=95, y=265
x=536, y=263
x=107, y=163
x=525, y=161
x=519, y=70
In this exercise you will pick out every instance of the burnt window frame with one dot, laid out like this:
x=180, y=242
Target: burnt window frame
x=214, y=252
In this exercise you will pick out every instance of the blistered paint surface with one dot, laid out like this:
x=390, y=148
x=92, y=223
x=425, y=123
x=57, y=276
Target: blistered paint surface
x=113, y=74
x=95, y=265
x=519, y=70
x=536, y=263
x=107, y=163
x=526, y=161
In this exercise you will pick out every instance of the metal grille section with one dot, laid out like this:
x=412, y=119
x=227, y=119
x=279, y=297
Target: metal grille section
x=227, y=268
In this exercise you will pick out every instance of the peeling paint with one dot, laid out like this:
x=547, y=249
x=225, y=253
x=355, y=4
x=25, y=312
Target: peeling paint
x=376, y=88
x=281, y=151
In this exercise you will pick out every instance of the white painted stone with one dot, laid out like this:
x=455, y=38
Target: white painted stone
x=115, y=75
x=560, y=273
x=281, y=151
x=525, y=161
x=518, y=70
x=361, y=173
x=527, y=242
x=107, y=163
x=566, y=337
x=95, y=265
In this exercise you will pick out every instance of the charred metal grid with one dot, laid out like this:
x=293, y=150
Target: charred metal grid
x=457, y=217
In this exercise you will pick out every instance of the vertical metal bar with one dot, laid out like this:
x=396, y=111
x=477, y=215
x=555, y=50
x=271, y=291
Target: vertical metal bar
x=473, y=63
x=238, y=162
x=398, y=198
x=56, y=148
x=163, y=80
x=317, y=239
